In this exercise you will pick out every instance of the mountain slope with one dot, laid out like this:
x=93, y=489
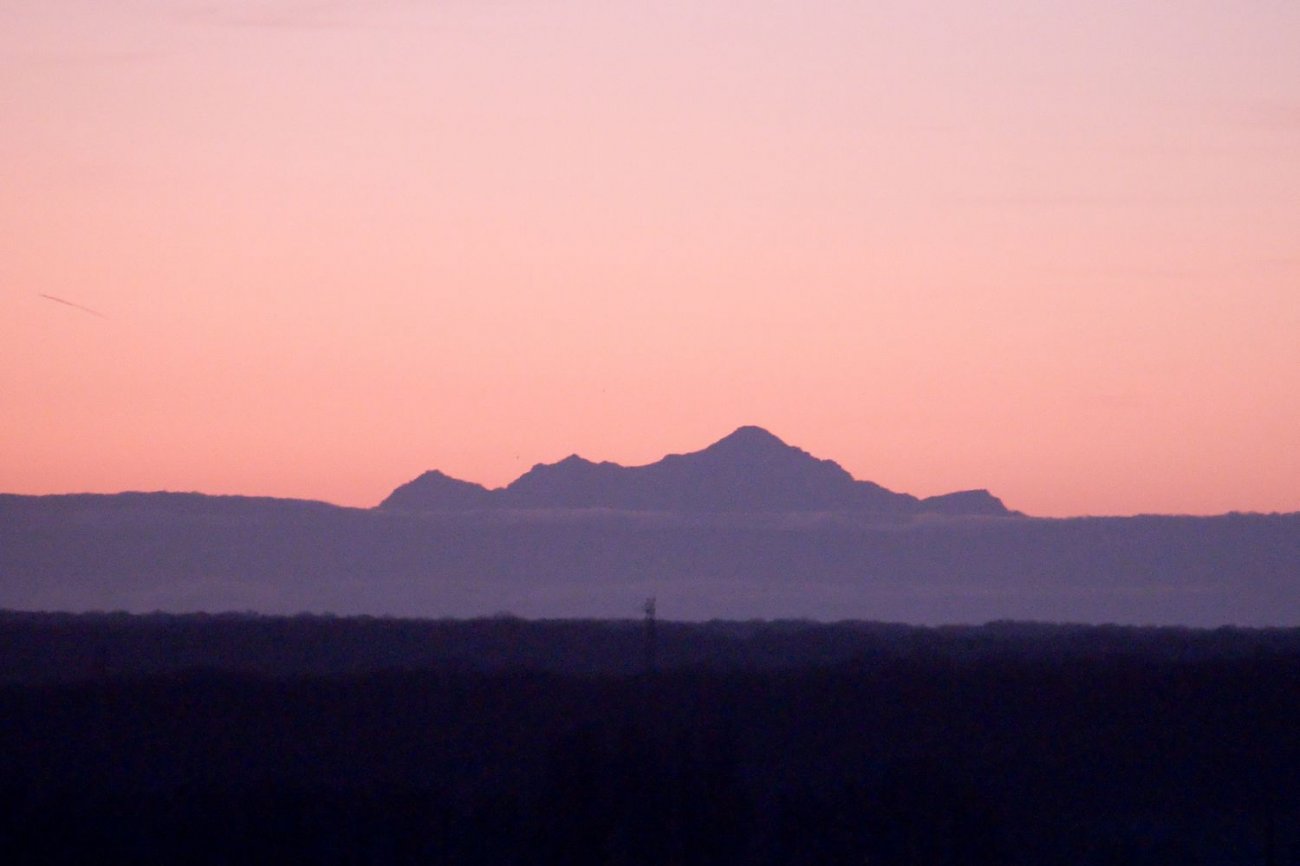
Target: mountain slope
x=434, y=491
x=750, y=470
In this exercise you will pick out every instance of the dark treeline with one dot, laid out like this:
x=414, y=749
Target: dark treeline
x=36, y=647
x=1000, y=745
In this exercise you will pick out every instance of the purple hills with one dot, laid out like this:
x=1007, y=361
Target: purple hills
x=750, y=470
x=748, y=527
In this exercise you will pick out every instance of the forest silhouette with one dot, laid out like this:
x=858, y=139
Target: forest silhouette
x=259, y=739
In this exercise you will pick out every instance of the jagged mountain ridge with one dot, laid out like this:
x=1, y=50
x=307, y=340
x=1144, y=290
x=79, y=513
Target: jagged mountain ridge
x=751, y=470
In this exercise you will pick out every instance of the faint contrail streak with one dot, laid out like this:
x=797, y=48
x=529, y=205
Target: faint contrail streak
x=71, y=304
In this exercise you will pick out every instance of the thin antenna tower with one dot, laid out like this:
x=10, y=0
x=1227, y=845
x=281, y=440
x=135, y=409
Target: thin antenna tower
x=651, y=642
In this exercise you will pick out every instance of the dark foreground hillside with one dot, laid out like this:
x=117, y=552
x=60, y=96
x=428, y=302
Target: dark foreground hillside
x=963, y=748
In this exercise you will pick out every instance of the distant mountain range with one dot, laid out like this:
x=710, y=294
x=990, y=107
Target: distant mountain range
x=747, y=528
x=750, y=470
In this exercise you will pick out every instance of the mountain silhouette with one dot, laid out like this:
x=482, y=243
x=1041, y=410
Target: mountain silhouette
x=751, y=470
x=438, y=492
x=181, y=552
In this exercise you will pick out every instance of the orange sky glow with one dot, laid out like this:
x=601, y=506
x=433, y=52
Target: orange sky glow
x=1048, y=249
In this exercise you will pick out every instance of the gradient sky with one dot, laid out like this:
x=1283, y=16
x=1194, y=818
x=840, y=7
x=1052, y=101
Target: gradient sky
x=1050, y=248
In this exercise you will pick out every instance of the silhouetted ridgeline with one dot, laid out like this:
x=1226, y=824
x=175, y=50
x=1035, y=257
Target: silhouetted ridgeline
x=746, y=472
x=186, y=552
x=760, y=743
x=749, y=527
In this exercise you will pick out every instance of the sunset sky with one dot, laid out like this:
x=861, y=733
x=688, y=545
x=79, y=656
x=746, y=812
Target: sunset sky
x=1051, y=249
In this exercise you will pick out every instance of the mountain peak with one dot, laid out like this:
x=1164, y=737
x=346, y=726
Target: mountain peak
x=436, y=490
x=749, y=470
x=749, y=439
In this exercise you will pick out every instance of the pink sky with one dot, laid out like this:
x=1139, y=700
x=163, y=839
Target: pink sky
x=1051, y=249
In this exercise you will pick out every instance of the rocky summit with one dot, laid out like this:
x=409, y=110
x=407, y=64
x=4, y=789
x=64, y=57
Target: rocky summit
x=750, y=470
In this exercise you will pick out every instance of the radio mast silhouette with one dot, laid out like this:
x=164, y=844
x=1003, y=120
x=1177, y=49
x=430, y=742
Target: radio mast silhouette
x=651, y=642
